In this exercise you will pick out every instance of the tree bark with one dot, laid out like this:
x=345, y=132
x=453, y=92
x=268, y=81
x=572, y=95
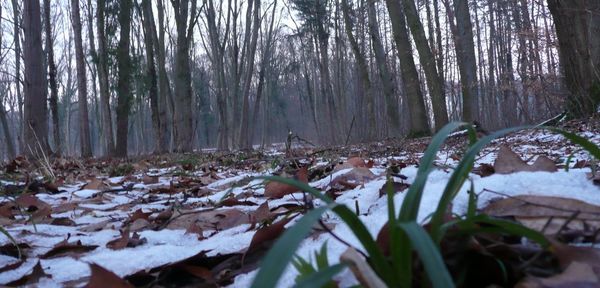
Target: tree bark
x=124, y=78
x=151, y=76
x=164, y=88
x=84, y=124
x=419, y=124
x=244, y=133
x=185, y=17
x=434, y=81
x=577, y=27
x=391, y=104
x=102, y=67
x=36, y=122
x=465, y=56
x=17, y=40
x=52, y=78
x=363, y=70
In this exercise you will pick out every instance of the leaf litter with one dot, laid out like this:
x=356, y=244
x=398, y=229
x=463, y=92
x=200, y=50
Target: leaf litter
x=201, y=220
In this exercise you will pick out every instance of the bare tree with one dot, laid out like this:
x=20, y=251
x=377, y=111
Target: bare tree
x=410, y=77
x=36, y=110
x=10, y=147
x=434, y=81
x=52, y=78
x=577, y=26
x=186, y=14
x=102, y=67
x=124, y=78
x=84, y=123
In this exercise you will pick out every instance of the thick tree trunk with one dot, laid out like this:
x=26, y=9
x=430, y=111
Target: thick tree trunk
x=102, y=67
x=434, y=81
x=36, y=111
x=577, y=27
x=52, y=78
x=124, y=78
x=185, y=16
x=84, y=124
x=419, y=124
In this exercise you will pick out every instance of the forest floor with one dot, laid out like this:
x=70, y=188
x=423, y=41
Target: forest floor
x=202, y=220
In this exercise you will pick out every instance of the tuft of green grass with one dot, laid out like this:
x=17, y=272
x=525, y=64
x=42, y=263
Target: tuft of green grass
x=405, y=233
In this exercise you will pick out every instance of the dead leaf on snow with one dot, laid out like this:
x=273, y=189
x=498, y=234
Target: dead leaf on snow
x=102, y=278
x=147, y=180
x=508, y=162
x=96, y=184
x=396, y=187
x=263, y=238
x=33, y=205
x=537, y=212
x=211, y=220
x=32, y=278
x=65, y=248
x=275, y=190
x=126, y=241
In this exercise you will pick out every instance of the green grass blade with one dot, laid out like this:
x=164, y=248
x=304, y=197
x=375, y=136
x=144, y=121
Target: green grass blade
x=459, y=176
x=513, y=228
x=282, y=252
x=584, y=143
x=429, y=254
x=361, y=232
x=321, y=277
x=412, y=200
x=12, y=240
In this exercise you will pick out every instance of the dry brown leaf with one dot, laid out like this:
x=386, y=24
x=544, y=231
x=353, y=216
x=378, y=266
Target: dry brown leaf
x=65, y=248
x=508, y=162
x=147, y=180
x=275, y=190
x=102, y=278
x=33, y=205
x=577, y=275
x=32, y=278
x=264, y=236
x=96, y=184
x=551, y=213
x=211, y=220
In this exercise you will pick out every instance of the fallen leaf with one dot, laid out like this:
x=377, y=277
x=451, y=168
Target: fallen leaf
x=102, y=278
x=147, y=180
x=232, y=201
x=32, y=278
x=126, y=241
x=275, y=190
x=65, y=248
x=545, y=212
x=96, y=184
x=33, y=205
x=396, y=187
x=508, y=162
x=577, y=275
x=263, y=238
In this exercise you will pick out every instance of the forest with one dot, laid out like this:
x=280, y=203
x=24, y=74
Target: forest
x=117, y=78
x=300, y=143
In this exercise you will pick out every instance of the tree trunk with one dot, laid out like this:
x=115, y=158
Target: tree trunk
x=164, y=88
x=124, y=78
x=363, y=70
x=266, y=57
x=434, y=81
x=84, y=124
x=419, y=124
x=10, y=147
x=244, y=138
x=151, y=74
x=17, y=40
x=577, y=27
x=465, y=56
x=102, y=67
x=36, y=122
x=185, y=16
x=52, y=78
x=391, y=104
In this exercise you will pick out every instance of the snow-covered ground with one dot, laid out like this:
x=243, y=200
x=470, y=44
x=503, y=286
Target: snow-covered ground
x=172, y=244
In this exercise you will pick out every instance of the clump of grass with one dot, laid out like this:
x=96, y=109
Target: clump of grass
x=405, y=233
x=121, y=169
